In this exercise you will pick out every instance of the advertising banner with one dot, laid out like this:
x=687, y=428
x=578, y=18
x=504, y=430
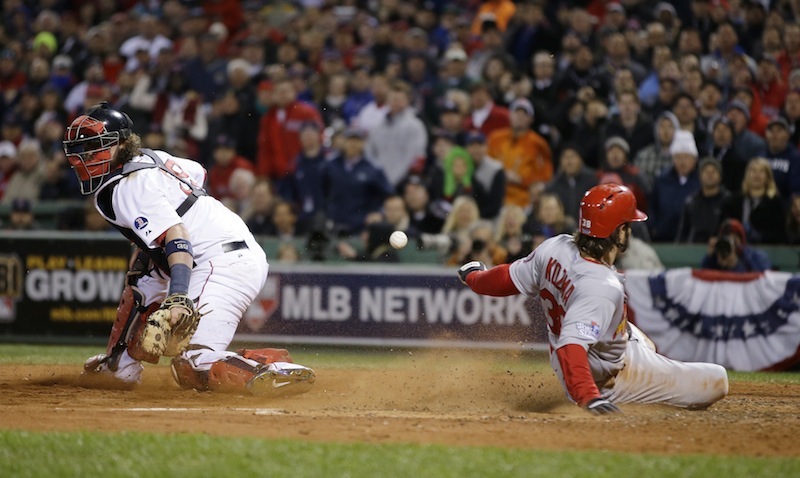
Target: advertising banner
x=65, y=286
x=379, y=305
x=69, y=286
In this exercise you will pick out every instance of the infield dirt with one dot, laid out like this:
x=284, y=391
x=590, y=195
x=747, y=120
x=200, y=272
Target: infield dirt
x=435, y=397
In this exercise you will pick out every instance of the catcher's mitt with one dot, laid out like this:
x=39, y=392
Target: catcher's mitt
x=161, y=336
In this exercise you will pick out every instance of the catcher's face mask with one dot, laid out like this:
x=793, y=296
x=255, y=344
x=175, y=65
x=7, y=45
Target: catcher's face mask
x=87, y=145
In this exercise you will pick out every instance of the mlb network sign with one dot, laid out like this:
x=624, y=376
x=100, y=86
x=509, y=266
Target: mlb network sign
x=379, y=305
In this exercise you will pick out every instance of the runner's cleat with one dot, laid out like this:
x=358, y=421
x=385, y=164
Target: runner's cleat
x=282, y=379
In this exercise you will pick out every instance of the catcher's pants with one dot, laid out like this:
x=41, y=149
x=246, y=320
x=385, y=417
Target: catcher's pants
x=652, y=378
x=225, y=285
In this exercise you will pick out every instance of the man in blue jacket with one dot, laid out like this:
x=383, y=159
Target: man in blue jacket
x=353, y=186
x=783, y=157
x=672, y=188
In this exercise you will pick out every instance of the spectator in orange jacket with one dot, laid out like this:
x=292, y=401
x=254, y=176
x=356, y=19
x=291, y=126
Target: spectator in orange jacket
x=501, y=11
x=525, y=155
x=279, y=133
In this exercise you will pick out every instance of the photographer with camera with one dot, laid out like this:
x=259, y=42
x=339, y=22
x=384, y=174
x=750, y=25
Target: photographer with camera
x=728, y=251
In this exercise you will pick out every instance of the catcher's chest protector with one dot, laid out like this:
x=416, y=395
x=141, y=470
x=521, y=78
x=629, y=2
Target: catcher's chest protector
x=105, y=192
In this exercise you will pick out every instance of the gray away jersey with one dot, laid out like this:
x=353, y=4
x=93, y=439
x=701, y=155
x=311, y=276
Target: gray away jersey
x=583, y=301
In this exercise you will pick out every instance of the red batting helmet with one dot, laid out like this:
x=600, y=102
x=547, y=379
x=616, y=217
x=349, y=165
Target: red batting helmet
x=88, y=142
x=606, y=206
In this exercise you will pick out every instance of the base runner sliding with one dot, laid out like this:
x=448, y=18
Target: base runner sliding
x=601, y=359
x=190, y=250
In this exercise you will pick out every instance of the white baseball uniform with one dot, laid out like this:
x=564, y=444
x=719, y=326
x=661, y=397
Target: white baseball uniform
x=585, y=305
x=230, y=266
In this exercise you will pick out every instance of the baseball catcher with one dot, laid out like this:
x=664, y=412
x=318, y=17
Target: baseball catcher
x=195, y=270
x=601, y=359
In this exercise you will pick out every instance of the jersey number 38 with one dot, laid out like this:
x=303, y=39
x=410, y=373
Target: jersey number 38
x=555, y=313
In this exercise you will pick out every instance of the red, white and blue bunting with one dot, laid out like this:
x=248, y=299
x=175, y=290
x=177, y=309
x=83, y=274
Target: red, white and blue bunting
x=743, y=321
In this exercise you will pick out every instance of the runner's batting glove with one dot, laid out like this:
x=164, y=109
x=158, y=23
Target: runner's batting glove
x=599, y=406
x=468, y=268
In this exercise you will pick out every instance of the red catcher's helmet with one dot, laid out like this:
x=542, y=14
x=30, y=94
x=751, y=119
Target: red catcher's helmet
x=88, y=142
x=606, y=206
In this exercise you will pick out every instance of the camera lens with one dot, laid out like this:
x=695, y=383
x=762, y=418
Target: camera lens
x=723, y=248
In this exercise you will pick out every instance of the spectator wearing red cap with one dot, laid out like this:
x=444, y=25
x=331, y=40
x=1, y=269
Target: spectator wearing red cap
x=729, y=251
x=279, y=133
x=226, y=161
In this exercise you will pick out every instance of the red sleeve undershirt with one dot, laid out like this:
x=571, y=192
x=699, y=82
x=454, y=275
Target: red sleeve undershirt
x=577, y=375
x=574, y=362
x=495, y=282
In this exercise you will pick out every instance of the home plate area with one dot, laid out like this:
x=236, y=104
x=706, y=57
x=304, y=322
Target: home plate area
x=469, y=401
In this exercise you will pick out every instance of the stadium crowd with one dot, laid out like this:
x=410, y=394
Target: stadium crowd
x=473, y=126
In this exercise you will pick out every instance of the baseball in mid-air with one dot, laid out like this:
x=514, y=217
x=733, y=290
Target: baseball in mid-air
x=398, y=239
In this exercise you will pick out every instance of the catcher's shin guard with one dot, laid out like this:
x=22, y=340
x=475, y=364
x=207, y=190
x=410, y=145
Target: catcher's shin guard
x=130, y=312
x=186, y=375
x=266, y=356
x=141, y=334
x=127, y=329
x=274, y=379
